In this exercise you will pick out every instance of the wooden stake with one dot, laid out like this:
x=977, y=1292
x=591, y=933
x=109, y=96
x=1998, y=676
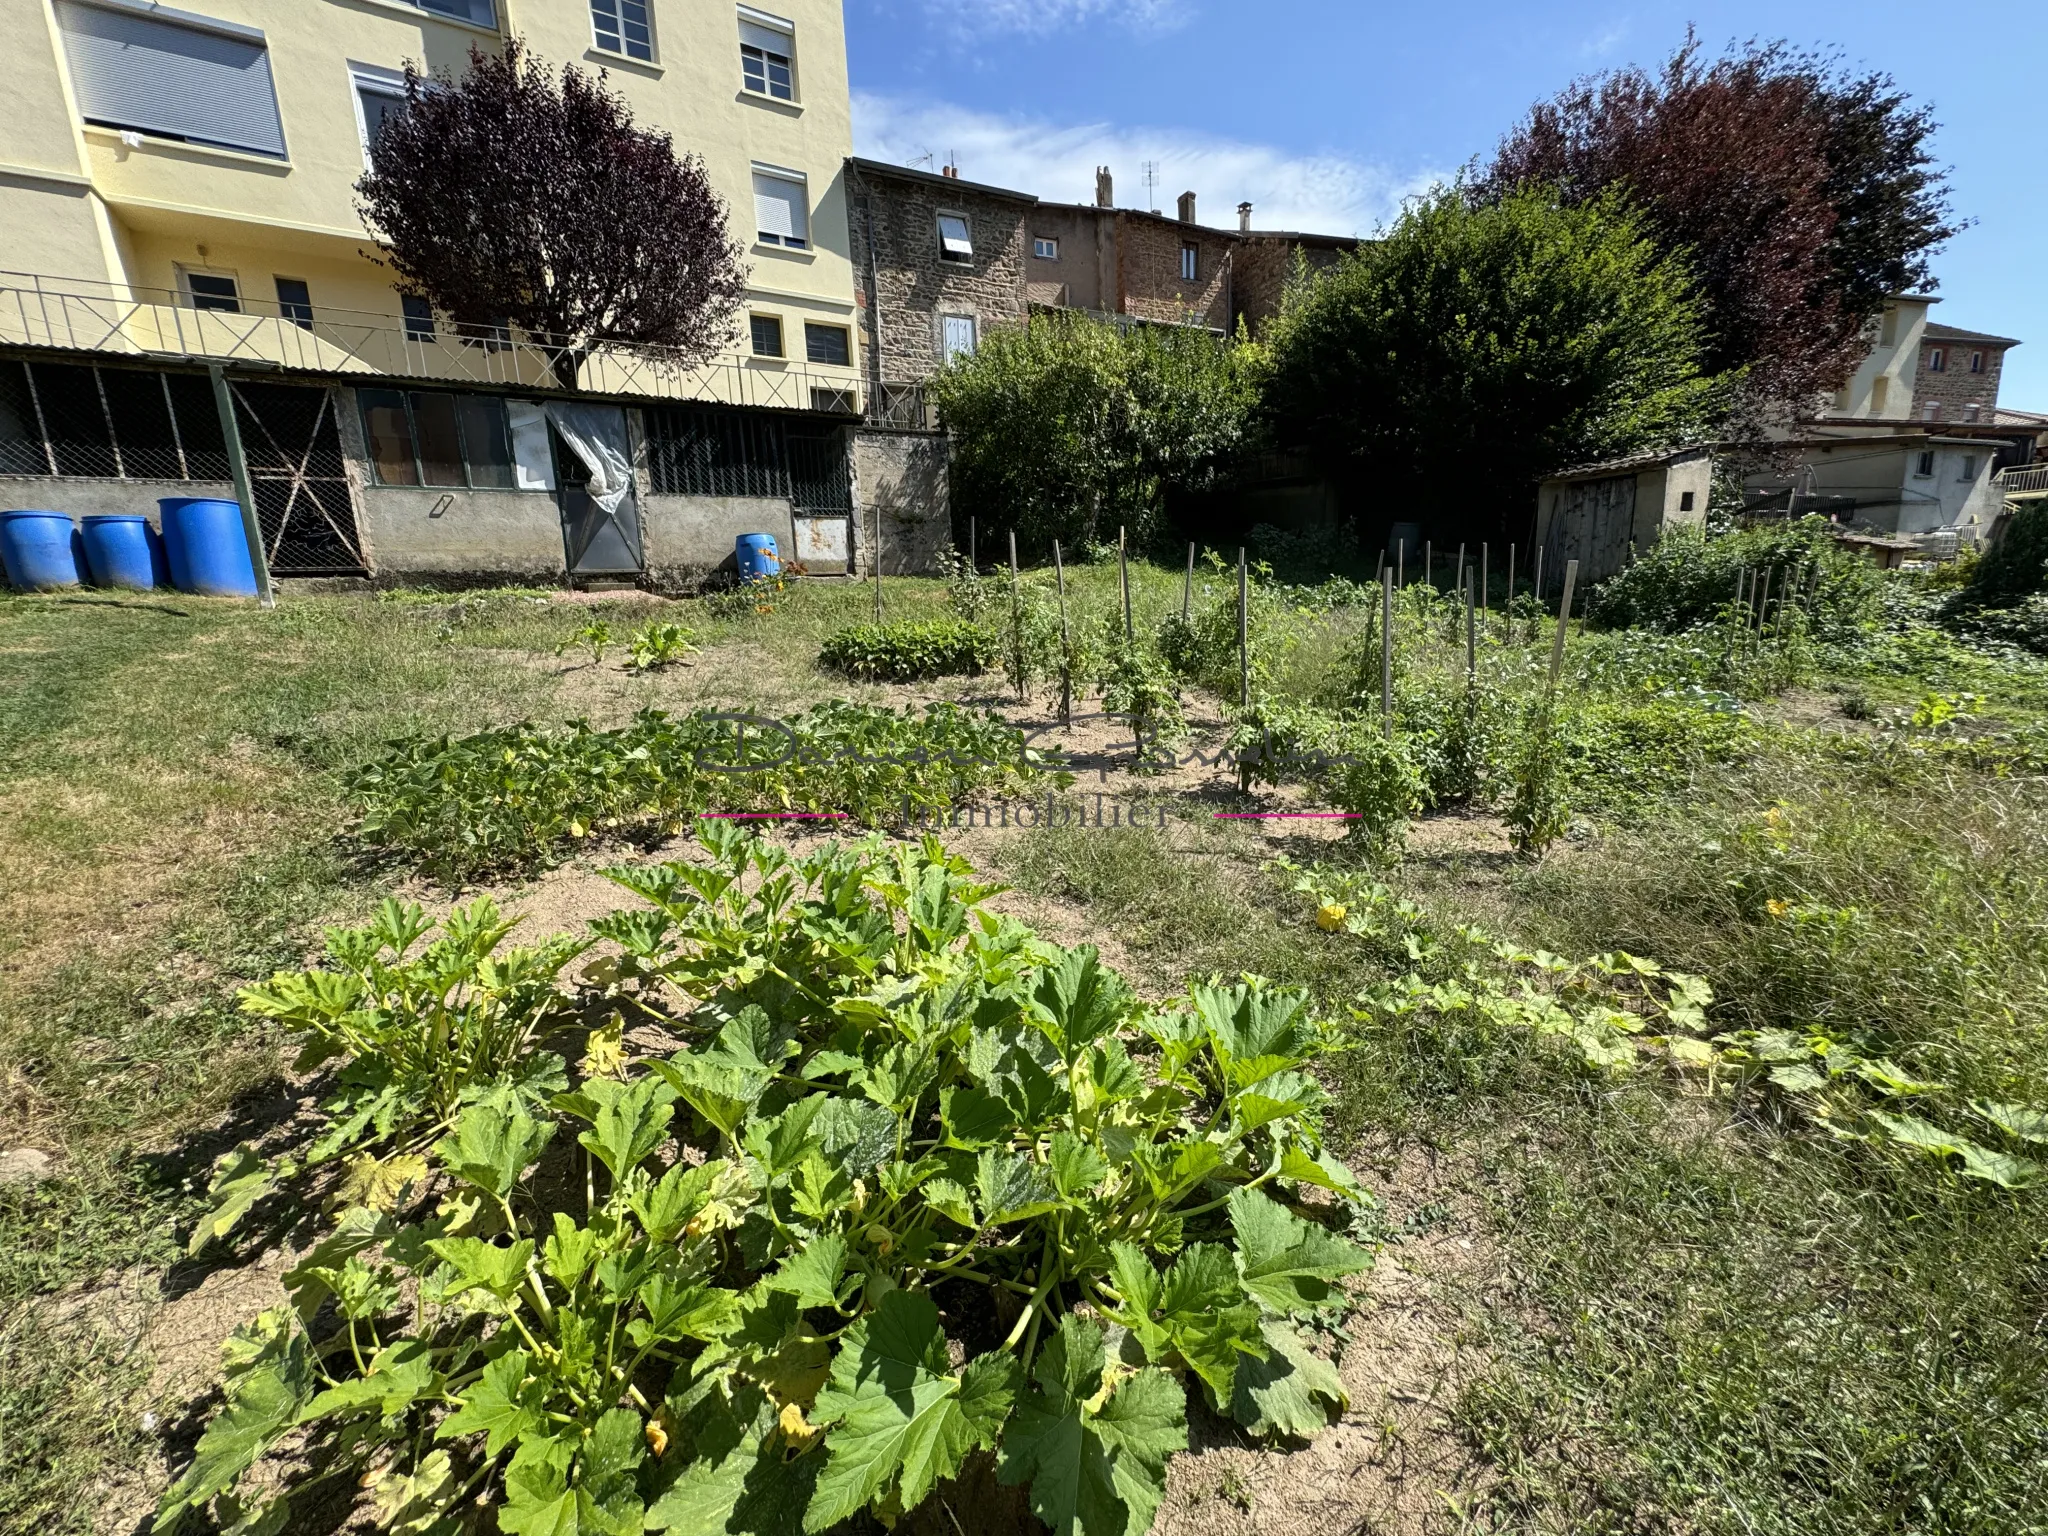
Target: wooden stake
x=1471, y=635
x=1564, y=613
x=973, y=542
x=1017, y=620
x=1509, y=614
x=1401, y=565
x=1059, y=572
x=1244, y=633
x=1537, y=584
x=1429, y=562
x=878, y=564
x=1187, y=582
x=1123, y=576
x=1485, y=582
x=1387, y=653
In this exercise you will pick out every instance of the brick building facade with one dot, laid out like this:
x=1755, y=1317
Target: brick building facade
x=1957, y=376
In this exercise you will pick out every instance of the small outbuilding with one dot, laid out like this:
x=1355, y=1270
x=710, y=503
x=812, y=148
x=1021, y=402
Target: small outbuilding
x=1596, y=513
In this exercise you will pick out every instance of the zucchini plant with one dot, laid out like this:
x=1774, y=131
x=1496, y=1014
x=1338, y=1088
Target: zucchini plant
x=920, y=1185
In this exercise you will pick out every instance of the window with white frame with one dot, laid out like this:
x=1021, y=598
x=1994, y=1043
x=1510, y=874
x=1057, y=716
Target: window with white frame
x=172, y=74
x=956, y=336
x=211, y=290
x=781, y=208
x=1045, y=248
x=380, y=96
x=1937, y=360
x=1931, y=411
x=767, y=54
x=481, y=13
x=1190, y=263
x=1923, y=467
x=956, y=243
x=623, y=27
x=1976, y=362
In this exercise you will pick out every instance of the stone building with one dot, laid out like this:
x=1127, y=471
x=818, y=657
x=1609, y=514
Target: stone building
x=1957, y=379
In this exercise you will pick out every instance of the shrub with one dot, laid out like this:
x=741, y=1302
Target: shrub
x=1689, y=577
x=910, y=651
x=872, y=1218
x=1377, y=781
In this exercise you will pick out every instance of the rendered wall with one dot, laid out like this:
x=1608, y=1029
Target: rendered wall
x=451, y=532
x=81, y=497
x=688, y=537
x=900, y=478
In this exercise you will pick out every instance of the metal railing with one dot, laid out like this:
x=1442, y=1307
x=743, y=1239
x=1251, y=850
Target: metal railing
x=2023, y=479
x=902, y=406
x=161, y=324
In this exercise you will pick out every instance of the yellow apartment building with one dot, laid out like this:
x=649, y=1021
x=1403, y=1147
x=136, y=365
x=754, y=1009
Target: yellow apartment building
x=176, y=190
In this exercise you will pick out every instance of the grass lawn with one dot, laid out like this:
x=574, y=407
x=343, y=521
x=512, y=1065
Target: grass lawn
x=1703, y=1310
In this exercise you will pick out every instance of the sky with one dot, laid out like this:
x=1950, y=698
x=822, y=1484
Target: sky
x=1324, y=114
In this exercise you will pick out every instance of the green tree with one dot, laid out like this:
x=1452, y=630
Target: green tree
x=1067, y=427
x=1450, y=364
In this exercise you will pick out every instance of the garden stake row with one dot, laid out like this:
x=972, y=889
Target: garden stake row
x=1244, y=653
x=1059, y=573
x=1387, y=654
x=1016, y=616
x=1187, y=583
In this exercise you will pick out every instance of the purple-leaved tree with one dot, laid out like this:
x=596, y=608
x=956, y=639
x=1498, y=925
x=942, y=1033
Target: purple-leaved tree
x=511, y=196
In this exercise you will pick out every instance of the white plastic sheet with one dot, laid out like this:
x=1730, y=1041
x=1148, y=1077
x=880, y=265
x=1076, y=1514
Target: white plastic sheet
x=596, y=434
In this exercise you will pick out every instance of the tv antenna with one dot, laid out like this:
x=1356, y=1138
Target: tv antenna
x=1149, y=170
x=926, y=159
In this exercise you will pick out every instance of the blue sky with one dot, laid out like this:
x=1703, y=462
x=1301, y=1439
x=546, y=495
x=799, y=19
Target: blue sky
x=1324, y=114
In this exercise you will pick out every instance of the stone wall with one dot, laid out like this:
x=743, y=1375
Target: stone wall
x=895, y=231
x=1955, y=389
x=1148, y=263
x=901, y=478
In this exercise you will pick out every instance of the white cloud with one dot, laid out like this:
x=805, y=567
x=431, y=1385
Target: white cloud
x=1326, y=194
x=981, y=18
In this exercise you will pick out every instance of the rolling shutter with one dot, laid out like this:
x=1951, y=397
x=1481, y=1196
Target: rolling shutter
x=175, y=78
x=779, y=207
x=777, y=39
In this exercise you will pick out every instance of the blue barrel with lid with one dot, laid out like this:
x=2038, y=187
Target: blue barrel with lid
x=39, y=549
x=117, y=551
x=756, y=556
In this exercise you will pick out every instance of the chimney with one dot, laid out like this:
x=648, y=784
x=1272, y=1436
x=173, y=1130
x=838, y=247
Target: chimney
x=1244, y=218
x=1187, y=207
x=950, y=170
x=1105, y=195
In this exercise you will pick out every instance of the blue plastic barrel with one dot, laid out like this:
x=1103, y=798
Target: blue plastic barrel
x=38, y=550
x=117, y=551
x=208, y=551
x=756, y=556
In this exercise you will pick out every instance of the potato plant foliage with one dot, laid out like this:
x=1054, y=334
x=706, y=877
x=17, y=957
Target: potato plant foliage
x=919, y=1185
x=910, y=651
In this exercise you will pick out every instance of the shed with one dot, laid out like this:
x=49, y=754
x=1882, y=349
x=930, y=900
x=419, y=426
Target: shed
x=1595, y=513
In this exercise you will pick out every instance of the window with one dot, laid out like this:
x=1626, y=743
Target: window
x=1188, y=261
x=781, y=208
x=419, y=317
x=203, y=81
x=380, y=96
x=1924, y=466
x=767, y=44
x=956, y=336
x=622, y=26
x=295, y=302
x=212, y=290
x=955, y=243
x=1045, y=249
x=1976, y=362
x=1931, y=411
x=1685, y=501
x=1969, y=467
x=430, y=437
x=1888, y=332
x=827, y=344
x=1880, y=387
x=1937, y=362
x=480, y=12
x=767, y=331
x=1970, y=412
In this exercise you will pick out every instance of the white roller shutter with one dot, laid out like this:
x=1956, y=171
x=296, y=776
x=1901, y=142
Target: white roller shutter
x=779, y=207
x=173, y=77
x=777, y=37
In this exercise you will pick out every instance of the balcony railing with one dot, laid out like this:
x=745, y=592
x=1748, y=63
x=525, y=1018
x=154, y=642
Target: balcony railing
x=2024, y=480
x=161, y=324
